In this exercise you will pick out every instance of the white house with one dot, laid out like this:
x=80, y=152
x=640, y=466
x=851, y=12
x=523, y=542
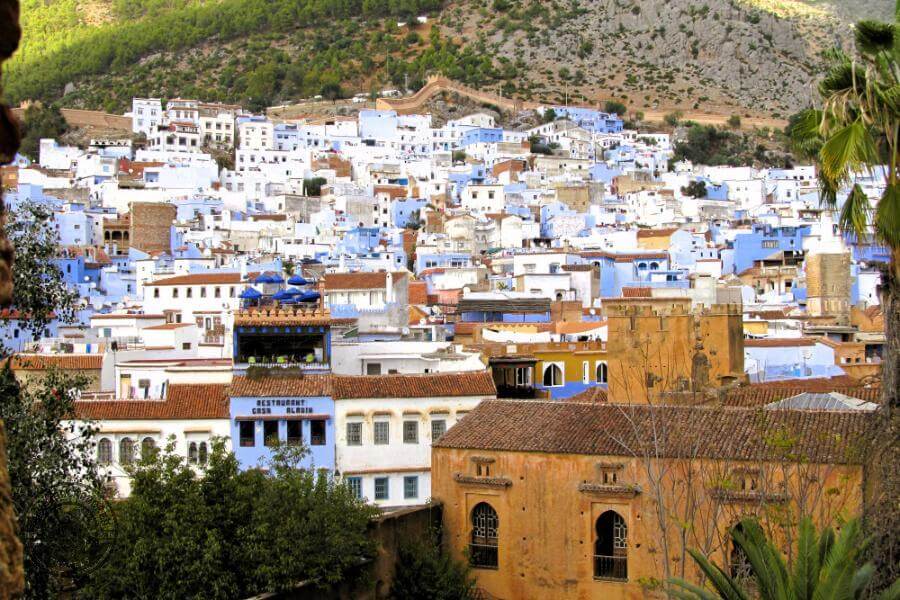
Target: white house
x=385, y=426
x=189, y=417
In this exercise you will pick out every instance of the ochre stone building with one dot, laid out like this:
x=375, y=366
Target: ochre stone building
x=570, y=500
x=661, y=350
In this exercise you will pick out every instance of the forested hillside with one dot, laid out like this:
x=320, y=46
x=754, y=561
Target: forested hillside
x=729, y=54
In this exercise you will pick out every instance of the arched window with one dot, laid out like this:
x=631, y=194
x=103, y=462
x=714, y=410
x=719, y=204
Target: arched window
x=642, y=265
x=654, y=265
x=738, y=563
x=104, y=451
x=611, y=547
x=126, y=451
x=193, y=454
x=203, y=453
x=147, y=448
x=552, y=375
x=483, y=549
x=602, y=372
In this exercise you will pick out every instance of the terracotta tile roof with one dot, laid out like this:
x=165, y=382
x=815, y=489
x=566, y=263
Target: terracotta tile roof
x=183, y=401
x=645, y=233
x=418, y=292
x=308, y=385
x=347, y=387
x=592, y=395
x=682, y=431
x=128, y=316
x=760, y=394
x=637, y=292
x=66, y=362
x=780, y=342
x=468, y=383
x=361, y=280
x=168, y=326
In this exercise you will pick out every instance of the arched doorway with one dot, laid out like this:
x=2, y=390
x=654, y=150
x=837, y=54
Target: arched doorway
x=611, y=547
x=485, y=543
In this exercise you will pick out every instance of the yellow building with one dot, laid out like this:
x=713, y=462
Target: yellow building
x=562, y=500
x=659, y=348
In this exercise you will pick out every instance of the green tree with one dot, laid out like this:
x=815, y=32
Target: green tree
x=695, y=189
x=57, y=490
x=40, y=121
x=313, y=186
x=226, y=533
x=549, y=116
x=857, y=128
x=424, y=571
x=614, y=106
x=39, y=293
x=734, y=121
x=825, y=566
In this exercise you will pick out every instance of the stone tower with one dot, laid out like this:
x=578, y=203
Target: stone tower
x=660, y=350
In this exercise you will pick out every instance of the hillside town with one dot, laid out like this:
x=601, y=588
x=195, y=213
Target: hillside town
x=566, y=338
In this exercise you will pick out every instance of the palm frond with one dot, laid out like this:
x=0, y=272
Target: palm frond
x=874, y=36
x=806, y=567
x=804, y=133
x=766, y=562
x=721, y=581
x=892, y=593
x=849, y=149
x=887, y=216
x=684, y=590
x=856, y=212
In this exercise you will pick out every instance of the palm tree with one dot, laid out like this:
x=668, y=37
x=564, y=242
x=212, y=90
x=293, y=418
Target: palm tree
x=826, y=567
x=857, y=128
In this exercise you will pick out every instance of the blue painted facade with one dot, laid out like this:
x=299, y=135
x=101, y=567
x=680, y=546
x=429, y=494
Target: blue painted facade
x=764, y=241
x=442, y=260
x=591, y=119
x=403, y=209
x=315, y=415
x=480, y=135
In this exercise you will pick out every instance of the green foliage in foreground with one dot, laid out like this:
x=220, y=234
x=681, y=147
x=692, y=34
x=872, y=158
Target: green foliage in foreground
x=826, y=565
x=228, y=533
x=56, y=489
x=424, y=571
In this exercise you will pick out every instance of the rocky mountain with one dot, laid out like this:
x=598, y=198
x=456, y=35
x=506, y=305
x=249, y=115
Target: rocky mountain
x=757, y=57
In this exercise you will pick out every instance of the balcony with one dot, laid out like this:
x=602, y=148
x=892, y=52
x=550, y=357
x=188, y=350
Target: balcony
x=611, y=568
x=483, y=556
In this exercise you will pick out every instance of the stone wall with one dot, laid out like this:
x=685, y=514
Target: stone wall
x=151, y=226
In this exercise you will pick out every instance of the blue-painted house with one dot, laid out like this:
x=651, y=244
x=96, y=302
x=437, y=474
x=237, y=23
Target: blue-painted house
x=765, y=241
x=282, y=407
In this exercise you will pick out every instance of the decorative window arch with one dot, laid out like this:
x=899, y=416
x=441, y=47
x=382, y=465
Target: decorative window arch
x=654, y=265
x=738, y=562
x=553, y=375
x=203, y=453
x=642, y=265
x=602, y=372
x=148, y=446
x=193, y=453
x=104, y=451
x=611, y=547
x=126, y=451
x=485, y=543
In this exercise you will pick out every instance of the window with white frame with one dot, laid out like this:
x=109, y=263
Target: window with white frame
x=381, y=432
x=354, y=433
x=410, y=432
x=553, y=375
x=602, y=372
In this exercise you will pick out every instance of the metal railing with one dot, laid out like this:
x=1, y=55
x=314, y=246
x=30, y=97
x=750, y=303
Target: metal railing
x=610, y=567
x=483, y=556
